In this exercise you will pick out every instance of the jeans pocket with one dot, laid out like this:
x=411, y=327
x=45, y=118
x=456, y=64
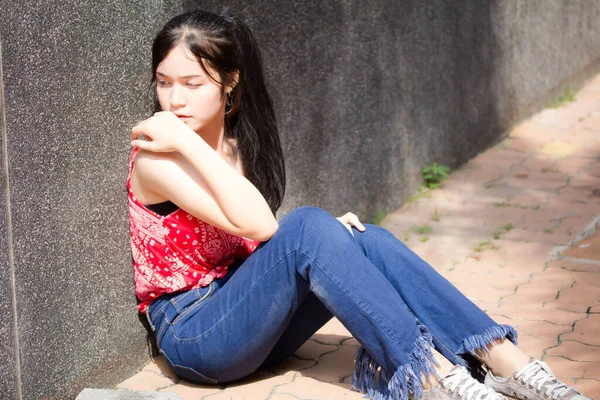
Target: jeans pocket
x=192, y=300
x=189, y=373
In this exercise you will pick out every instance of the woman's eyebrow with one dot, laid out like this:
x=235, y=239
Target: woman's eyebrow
x=181, y=77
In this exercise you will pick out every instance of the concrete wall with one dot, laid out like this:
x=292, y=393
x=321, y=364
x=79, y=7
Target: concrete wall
x=366, y=92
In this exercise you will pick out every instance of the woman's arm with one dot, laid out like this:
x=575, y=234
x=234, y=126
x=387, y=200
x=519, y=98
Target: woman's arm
x=180, y=166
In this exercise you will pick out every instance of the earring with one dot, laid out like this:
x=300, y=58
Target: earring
x=228, y=103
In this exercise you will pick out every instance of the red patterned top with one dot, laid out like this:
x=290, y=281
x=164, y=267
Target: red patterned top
x=177, y=251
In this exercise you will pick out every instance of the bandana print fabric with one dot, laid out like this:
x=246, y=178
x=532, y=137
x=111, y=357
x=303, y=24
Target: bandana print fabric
x=178, y=251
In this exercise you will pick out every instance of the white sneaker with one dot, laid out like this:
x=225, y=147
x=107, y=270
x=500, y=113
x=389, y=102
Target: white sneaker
x=535, y=381
x=459, y=384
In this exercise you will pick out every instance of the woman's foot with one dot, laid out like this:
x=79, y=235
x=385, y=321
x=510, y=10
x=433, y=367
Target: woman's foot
x=459, y=384
x=535, y=381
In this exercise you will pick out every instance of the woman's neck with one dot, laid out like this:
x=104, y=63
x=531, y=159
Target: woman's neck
x=214, y=135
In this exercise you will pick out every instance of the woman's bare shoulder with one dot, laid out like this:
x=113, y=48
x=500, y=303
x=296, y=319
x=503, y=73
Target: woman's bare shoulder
x=232, y=155
x=148, y=171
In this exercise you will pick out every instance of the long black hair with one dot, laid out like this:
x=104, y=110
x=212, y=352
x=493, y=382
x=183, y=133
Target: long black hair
x=225, y=45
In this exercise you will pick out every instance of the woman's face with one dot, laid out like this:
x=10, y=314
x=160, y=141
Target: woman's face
x=183, y=88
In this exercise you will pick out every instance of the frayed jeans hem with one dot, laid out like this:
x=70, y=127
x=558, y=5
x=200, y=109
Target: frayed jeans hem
x=405, y=380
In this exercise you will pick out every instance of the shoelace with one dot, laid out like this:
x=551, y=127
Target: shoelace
x=468, y=387
x=538, y=375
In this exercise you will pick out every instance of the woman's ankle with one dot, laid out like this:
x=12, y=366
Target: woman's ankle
x=502, y=358
x=442, y=368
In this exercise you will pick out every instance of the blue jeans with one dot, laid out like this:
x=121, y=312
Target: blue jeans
x=313, y=268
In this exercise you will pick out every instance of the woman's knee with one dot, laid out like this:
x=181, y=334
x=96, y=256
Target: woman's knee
x=312, y=223
x=376, y=234
x=307, y=215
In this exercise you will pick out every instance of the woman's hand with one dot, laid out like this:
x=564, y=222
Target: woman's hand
x=350, y=220
x=163, y=132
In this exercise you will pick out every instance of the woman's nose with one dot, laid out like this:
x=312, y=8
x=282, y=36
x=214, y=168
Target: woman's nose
x=177, y=96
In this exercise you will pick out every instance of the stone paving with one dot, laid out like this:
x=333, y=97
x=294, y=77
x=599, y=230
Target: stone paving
x=514, y=229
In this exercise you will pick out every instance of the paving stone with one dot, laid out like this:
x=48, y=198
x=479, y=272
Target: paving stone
x=495, y=193
x=311, y=350
x=526, y=182
x=564, y=368
x=548, y=235
x=589, y=387
x=586, y=331
x=159, y=366
x=544, y=219
x=333, y=367
x=536, y=312
x=531, y=197
x=332, y=332
x=351, y=342
x=576, y=224
x=576, y=351
x=588, y=248
x=575, y=265
x=485, y=174
x=485, y=306
x=483, y=293
x=106, y=394
x=499, y=158
x=563, y=275
x=579, y=297
x=146, y=380
x=556, y=119
x=281, y=396
x=256, y=387
x=540, y=329
x=537, y=291
x=535, y=346
x=290, y=364
x=312, y=389
x=521, y=144
x=573, y=165
x=190, y=391
x=490, y=278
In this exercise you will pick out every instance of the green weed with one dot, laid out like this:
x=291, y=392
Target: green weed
x=565, y=98
x=508, y=227
x=423, y=191
x=487, y=245
x=553, y=170
x=376, y=217
x=434, y=174
x=422, y=230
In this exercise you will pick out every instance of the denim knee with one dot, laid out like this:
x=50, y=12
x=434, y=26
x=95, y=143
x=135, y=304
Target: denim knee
x=309, y=216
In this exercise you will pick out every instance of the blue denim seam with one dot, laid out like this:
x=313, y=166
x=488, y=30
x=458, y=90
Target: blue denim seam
x=236, y=304
x=358, y=305
x=161, y=309
x=164, y=323
x=214, y=381
x=184, y=295
x=149, y=319
x=199, y=301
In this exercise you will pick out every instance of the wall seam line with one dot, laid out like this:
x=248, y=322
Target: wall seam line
x=8, y=213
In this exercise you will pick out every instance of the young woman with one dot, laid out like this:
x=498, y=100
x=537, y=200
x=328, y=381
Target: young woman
x=227, y=289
